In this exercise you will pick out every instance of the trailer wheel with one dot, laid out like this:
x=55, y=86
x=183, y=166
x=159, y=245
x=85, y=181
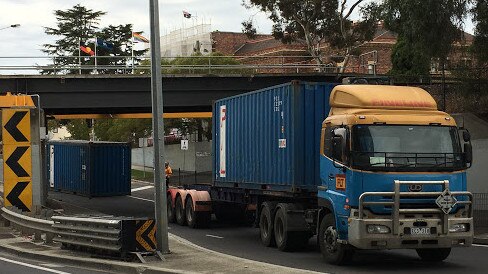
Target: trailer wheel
x=171, y=210
x=180, y=211
x=196, y=219
x=332, y=251
x=433, y=254
x=266, y=224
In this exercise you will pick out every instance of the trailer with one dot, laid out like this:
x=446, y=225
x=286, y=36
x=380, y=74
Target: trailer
x=360, y=166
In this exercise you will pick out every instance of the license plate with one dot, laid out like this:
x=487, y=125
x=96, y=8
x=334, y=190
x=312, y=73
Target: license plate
x=420, y=230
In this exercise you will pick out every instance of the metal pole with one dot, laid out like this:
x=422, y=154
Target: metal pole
x=158, y=131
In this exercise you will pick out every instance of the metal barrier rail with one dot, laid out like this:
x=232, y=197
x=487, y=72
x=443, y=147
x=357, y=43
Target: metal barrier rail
x=89, y=233
x=31, y=225
x=397, y=194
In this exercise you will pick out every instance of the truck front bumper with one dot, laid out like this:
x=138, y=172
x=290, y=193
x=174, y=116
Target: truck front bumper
x=437, y=238
x=412, y=227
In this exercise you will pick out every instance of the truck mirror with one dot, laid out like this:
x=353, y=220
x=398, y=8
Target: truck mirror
x=337, y=148
x=468, y=153
x=466, y=136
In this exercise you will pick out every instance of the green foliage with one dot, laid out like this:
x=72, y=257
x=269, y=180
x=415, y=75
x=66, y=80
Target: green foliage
x=429, y=26
x=80, y=25
x=409, y=60
x=480, y=18
x=122, y=130
x=319, y=22
x=214, y=63
x=120, y=36
x=78, y=129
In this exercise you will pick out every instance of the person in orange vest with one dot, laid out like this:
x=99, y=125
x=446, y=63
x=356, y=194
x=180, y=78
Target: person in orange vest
x=168, y=171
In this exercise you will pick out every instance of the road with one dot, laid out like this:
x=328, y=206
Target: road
x=244, y=242
x=15, y=264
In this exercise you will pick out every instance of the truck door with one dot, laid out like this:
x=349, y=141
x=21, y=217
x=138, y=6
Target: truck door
x=335, y=148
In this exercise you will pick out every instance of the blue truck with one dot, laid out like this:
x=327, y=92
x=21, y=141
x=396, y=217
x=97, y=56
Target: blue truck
x=359, y=166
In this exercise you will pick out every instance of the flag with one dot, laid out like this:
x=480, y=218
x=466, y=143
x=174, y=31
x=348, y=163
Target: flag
x=87, y=50
x=138, y=37
x=104, y=44
x=186, y=14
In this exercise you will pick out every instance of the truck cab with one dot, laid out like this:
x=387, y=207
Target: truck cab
x=393, y=175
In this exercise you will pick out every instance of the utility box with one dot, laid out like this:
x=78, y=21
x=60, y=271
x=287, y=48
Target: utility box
x=92, y=169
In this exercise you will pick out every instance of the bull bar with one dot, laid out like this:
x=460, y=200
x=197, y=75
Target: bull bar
x=359, y=237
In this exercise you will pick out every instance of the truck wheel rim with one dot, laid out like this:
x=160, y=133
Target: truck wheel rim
x=265, y=226
x=189, y=213
x=330, y=239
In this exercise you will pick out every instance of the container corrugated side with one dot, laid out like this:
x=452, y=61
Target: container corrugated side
x=111, y=168
x=270, y=139
x=90, y=168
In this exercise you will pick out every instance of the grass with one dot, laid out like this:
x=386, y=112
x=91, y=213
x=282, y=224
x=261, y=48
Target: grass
x=139, y=175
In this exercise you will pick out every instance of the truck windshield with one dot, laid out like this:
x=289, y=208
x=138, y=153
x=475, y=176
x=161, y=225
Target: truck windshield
x=406, y=148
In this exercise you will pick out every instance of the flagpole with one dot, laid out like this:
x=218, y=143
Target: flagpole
x=132, y=49
x=79, y=54
x=96, y=42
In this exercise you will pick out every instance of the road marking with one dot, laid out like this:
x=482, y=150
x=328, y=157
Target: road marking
x=33, y=266
x=141, y=188
x=142, y=199
x=479, y=245
x=213, y=236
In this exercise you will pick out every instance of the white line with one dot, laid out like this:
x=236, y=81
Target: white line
x=142, y=199
x=479, y=245
x=213, y=236
x=141, y=188
x=33, y=266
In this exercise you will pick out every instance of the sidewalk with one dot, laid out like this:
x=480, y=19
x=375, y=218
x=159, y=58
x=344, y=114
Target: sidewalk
x=185, y=257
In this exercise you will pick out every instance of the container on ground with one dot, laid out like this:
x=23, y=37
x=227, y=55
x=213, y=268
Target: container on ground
x=92, y=169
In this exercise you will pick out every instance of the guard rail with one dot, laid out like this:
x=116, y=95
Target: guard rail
x=40, y=226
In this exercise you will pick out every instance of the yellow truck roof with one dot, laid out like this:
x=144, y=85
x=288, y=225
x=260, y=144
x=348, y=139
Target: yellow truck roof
x=381, y=97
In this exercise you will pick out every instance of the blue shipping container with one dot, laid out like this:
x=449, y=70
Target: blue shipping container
x=270, y=139
x=90, y=168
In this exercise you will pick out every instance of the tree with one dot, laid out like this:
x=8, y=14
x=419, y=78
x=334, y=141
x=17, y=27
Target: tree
x=73, y=26
x=408, y=60
x=319, y=24
x=480, y=18
x=79, y=26
x=120, y=46
x=429, y=27
x=78, y=129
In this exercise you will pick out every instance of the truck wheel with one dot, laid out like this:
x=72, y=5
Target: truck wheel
x=287, y=240
x=266, y=224
x=171, y=210
x=332, y=251
x=196, y=219
x=433, y=254
x=180, y=211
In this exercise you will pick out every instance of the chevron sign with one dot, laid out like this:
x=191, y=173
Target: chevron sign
x=17, y=166
x=145, y=235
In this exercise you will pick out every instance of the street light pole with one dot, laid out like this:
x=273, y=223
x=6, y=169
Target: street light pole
x=160, y=202
x=11, y=26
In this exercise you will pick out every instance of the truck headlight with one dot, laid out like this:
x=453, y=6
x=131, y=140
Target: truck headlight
x=459, y=228
x=378, y=229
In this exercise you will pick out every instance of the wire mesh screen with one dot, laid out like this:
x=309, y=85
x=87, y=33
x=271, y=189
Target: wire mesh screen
x=480, y=210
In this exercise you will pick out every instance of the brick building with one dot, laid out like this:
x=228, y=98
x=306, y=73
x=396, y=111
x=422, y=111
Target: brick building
x=271, y=56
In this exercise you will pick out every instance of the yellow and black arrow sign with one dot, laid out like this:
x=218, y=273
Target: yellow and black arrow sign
x=16, y=126
x=18, y=163
x=146, y=235
x=17, y=152
x=19, y=196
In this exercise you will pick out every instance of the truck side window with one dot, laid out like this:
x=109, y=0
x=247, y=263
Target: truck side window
x=335, y=153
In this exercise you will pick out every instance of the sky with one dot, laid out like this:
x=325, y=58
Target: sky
x=33, y=16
